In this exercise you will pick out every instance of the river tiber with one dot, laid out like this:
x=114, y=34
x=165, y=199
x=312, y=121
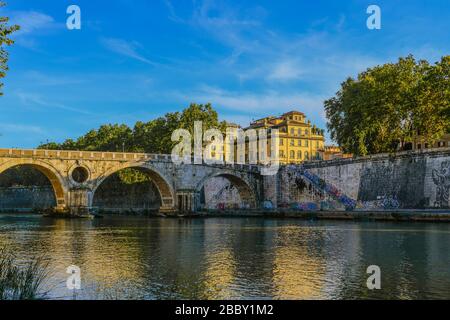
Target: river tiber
x=224, y=150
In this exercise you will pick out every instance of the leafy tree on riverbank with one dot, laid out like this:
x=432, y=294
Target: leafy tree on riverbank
x=5, y=32
x=153, y=136
x=385, y=106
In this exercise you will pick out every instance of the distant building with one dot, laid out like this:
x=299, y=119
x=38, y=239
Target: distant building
x=299, y=140
x=420, y=143
x=334, y=152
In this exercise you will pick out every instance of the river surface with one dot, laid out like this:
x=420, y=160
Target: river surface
x=234, y=258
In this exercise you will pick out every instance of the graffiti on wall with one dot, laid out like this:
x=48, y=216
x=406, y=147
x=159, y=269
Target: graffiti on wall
x=328, y=188
x=385, y=202
x=441, y=179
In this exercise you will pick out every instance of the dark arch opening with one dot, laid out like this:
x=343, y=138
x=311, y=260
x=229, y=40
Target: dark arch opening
x=226, y=191
x=131, y=191
x=25, y=188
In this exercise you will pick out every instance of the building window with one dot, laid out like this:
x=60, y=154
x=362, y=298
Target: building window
x=419, y=146
x=292, y=132
x=317, y=155
x=299, y=154
x=426, y=145
x=292, y=142
x=281, y=142
x=282, y=153
x=299, y=142
x=299, y=132
x=306, y=143
x=292, y=154
x=306, y=155
x=306, y=132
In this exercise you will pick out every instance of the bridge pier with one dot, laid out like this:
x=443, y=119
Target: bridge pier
x=187, y=201
x=80, y=202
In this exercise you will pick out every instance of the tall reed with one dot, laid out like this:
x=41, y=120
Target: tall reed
x=21, y=281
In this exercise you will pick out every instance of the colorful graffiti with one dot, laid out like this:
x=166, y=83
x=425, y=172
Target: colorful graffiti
x=384, y=203
x=348, y=202
x=441, y=179
x=305, y=206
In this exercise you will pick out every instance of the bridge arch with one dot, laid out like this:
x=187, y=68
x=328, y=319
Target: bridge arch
x=52, y=174
x=164, y=188
x=246, y=193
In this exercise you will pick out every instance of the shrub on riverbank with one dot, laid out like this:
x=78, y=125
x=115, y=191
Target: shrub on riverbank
x=21, y=281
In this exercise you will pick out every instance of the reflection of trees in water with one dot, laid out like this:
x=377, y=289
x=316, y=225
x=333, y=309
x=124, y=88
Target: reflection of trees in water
x=238, y=258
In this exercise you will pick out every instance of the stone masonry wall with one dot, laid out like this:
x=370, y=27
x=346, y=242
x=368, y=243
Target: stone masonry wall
x=410, y=180
x=27, y=198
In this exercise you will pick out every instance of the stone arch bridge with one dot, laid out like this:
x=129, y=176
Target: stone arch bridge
x=76, y=175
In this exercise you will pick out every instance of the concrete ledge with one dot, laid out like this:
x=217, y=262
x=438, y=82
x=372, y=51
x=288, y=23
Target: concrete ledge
x=410, y=215
x=379, y=157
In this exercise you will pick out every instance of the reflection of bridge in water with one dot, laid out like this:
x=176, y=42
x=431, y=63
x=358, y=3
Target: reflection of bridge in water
x=76, y=175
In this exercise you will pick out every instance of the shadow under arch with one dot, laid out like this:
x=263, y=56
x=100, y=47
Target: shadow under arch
x=248, y=196
x=162, y=185
x=52, y=174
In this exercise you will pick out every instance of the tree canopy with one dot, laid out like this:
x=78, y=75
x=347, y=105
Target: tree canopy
x=385, y=107
x=5, y=31
x=153, y=136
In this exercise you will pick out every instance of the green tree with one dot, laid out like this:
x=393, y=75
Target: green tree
x=153, y=136
x=433, y=101
x=5, y=31
x=384, y=108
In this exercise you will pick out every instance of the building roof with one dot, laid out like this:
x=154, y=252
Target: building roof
x=293, y=112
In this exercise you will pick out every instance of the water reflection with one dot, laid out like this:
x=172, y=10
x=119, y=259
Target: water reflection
x=134, y=258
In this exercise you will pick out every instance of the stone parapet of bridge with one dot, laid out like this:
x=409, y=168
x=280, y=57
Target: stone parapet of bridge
x=88, y=155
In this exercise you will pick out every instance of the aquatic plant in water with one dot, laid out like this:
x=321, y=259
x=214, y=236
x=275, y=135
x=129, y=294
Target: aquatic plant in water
x=21, y=281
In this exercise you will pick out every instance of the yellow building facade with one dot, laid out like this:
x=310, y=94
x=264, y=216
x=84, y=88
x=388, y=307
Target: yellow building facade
x=299, y=140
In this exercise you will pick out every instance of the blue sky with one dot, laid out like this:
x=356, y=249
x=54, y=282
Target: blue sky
x=136, y=60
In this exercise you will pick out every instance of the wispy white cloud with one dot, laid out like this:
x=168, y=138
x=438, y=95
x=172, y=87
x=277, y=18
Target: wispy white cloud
x=32, y=21
x=285, y=70
x=258, y=53
x=20, y=128
x=255, y=103
x=32, y=25
x=172, y=14
x=126, y=48
x=32, y=99
x=45, y=79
